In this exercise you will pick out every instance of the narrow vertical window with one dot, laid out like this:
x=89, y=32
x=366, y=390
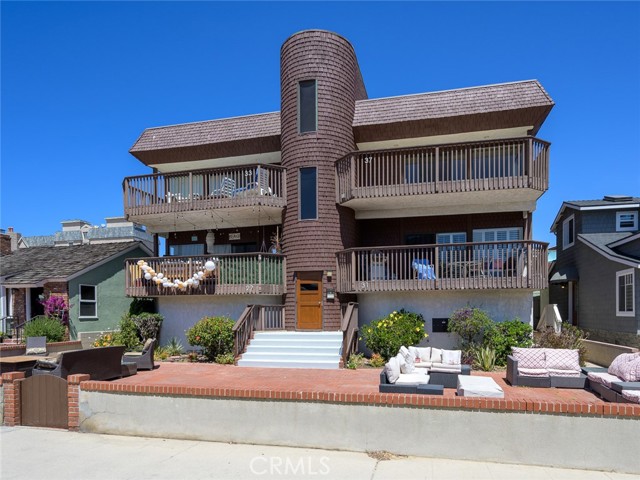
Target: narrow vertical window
x=307, y=106
x=568, y=232
x=308, y=193
x=624, y=294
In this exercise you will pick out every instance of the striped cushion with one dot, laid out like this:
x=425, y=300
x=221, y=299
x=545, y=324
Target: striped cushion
x=553, y=372
x=533, y=372
x=605, y=379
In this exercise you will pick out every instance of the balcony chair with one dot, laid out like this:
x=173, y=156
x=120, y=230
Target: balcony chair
x=227, y=188
x=36, y=346
x=424, y=271
x=143, y=359
x=259, y=185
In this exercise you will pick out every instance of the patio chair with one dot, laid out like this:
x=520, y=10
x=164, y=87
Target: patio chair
x=36, y=346
x=143, y=359
x=424, y=271
x=226, y=189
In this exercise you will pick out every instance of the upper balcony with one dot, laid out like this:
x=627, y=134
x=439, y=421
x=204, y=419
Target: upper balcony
x=233, y=274
x=487, y=176
x=204, y=199
x=457, y=266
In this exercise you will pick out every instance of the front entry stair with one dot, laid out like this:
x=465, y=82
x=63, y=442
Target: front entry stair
x=282, y=349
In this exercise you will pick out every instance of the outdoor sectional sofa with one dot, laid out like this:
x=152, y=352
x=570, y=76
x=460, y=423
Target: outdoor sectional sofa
x=545, y=367
x=618, y=382
x=102, y=363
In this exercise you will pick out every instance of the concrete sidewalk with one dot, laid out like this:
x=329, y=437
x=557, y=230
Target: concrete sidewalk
x=56, y=454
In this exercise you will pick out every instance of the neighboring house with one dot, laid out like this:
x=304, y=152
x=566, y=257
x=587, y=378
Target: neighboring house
x=90, y=277
x=594, y=280
x=420, y=201
x=79, y=232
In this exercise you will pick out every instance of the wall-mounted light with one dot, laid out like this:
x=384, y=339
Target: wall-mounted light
x=331, y=294
x=329, y=275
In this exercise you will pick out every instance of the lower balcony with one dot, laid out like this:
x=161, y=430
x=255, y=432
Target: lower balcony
x=233, y=274
x=456, y=266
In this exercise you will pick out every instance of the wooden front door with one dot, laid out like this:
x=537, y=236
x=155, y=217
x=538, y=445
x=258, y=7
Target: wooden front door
x=309, y=301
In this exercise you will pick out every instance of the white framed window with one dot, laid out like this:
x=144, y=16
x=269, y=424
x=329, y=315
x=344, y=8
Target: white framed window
x=568, y=232
x=88, y=301
x=625, y=302
x=626, y=221
x=451, y=253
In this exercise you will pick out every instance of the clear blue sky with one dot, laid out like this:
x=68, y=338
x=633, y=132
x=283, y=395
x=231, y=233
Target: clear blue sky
x=81, y=80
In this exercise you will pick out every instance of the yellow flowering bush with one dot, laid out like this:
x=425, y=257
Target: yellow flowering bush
x=386, y=335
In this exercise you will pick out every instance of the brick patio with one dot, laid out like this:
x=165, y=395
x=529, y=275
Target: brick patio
x=344, y=386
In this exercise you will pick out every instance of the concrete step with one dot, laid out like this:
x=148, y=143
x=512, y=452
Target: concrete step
x=294, y=356
x=327, y=365
x=260, y=347
x=299, y=335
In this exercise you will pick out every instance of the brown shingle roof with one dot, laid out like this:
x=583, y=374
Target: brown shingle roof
x=208, y=132
x=33, y=265
x=451, y=103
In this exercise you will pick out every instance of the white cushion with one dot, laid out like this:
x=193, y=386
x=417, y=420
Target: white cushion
x=436, y=355
x=443, y=367
x=562, y=359
x=631, y=395
x=554, y=372
x=530, y=357
x=616, y=367
x=392, y=369
x=452, y=357
x=533, y=372
x=630, y=371
x=475, y=386
x=424, y=353
x=602, y=378
x=36, y=351
x=414, y=352
x=413, y=379
x=408, y=365
x=424, y=365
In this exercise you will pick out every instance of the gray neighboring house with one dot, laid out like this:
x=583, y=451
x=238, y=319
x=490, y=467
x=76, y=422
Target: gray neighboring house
x=594, y=280
x=90, y=277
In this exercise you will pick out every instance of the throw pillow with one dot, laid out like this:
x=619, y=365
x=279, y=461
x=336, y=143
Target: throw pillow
x=616, y=366
x=36, y=351
x=415, y=353
x=562, y=359
x=436, y=355
x=530, y=357
x=409, y=361
x=452, y=357
x=424, y=353
x=392, y=369
x=630, y=371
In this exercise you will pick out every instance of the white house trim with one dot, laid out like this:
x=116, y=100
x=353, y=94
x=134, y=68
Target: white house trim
x=624, y=261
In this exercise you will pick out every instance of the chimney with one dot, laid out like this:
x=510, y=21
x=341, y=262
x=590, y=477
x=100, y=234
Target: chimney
x=5, y=244
x=13, y=240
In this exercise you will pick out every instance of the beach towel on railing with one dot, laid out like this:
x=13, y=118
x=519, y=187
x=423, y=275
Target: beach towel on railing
x=423, y=269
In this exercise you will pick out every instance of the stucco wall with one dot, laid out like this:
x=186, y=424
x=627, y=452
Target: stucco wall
x=500, y=304
x=182, y=312
x=112, y=302
x=568, y=441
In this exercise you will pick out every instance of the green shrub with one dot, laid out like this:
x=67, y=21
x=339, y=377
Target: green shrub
x=127, y=334
x=386, y=335
x=376, y=360
x=42, y=326
x=161, y=353
x=355, y=361
x=213, y=334
x=148, y=324
x=225, y=359
x=502, y=336
x=485, y=358
x=570, y=337
x=470, y=324
x=142, y=305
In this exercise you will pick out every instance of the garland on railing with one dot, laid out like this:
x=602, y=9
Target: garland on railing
x=162, y=280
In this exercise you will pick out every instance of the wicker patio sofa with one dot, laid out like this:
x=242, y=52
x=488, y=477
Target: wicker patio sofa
x=545, y=368
x=623, y=375
x=102, y=363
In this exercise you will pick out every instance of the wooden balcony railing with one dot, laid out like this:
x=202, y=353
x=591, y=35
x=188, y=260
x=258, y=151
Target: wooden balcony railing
x=234, y=274
x=456, y=266
x=465, y=167
x=255, y=318
x=205, y=189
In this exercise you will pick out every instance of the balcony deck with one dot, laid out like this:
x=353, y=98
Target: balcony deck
x=215, y=198
x=449, y=178
x=234, y=274
x=457, y=266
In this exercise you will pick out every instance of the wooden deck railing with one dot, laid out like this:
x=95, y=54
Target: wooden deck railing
x=462, y=167
x=205, y=189
x=349, y=331
x=456, y=266
x=235, y=274
x=255, y=318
